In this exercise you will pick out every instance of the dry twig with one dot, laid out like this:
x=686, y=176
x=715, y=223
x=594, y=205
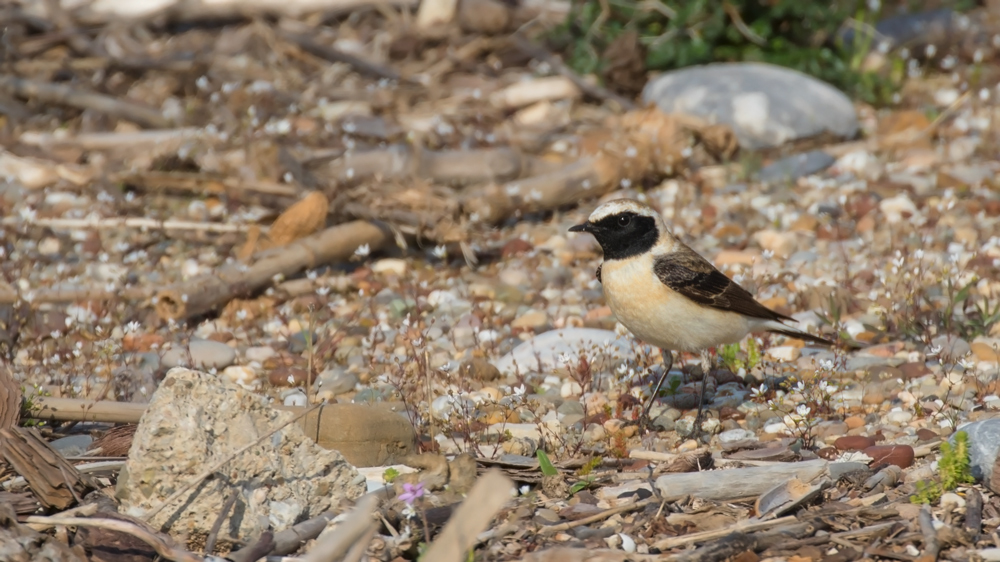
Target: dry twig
x=162, y=547
x=61, y=93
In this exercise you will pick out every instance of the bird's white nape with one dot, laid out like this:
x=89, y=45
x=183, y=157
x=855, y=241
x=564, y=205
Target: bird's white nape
x=618, y=206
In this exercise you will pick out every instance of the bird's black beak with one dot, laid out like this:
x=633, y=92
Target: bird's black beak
x=585, y=227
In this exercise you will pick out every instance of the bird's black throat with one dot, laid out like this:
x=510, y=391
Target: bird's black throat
x=620, y=241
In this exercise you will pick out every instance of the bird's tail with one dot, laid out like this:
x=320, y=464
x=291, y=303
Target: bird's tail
x=777, y=327
x=799, y=334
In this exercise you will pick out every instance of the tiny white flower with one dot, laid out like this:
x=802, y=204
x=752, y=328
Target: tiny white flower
x=132, y=327
x=363, y=251
x=802, y=410
x=525, y=489
x=767, y=254
x=323, y=291
x=440, y=252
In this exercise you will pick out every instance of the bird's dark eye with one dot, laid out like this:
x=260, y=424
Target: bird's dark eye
x=624, y=220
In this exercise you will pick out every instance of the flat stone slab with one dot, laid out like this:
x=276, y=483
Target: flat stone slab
x=766, y=105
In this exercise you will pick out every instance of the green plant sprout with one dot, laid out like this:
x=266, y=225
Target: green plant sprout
x=953, y=469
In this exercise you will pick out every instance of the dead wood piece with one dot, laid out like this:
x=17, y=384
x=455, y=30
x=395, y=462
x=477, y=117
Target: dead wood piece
x=137, y=140
x=704, y=536
x=130, y=222
x=23, y=503
x=200, y=10
x=116, y=441
x=56, y=482
x=110, y=545
x=551, y=529
x=336, y=544
x=455, y=167
x=208, y=292
x=70, y=409
x=10, y=399
x=77, y=294
x=535, y=51
x=643, y=144
x=737, y=543
x=332, y=54
x=19, y=542
x=487, y=496
x=932, y=546
x=284, y=542
x=161, y=544
x=728, y=484
x=973, y=514
x=63, y=94
x=569, y=554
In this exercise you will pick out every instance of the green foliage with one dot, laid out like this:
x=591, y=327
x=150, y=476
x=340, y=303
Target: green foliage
x=734, y=359
x=588, y=468
x=545, y=464
x=953, y=469
x=390, y=475
x=679, y=33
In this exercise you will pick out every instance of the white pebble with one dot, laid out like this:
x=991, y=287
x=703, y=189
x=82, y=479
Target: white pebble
x=570, y=389
x=628, y=544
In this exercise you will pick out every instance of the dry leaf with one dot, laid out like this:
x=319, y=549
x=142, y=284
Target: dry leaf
x=300, y=220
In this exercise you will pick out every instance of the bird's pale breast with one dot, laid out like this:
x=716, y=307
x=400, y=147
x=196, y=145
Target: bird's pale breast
x=660, y=316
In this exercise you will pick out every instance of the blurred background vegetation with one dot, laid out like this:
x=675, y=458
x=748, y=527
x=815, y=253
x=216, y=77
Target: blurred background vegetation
x=829, y=40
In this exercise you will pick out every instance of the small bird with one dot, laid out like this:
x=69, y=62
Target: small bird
x=669, y=296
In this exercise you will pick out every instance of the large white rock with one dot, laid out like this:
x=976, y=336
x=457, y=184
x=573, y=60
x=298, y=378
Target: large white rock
x=195, y=420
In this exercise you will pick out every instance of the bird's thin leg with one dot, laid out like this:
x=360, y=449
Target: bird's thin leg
x=706, y=368
x=668, y=363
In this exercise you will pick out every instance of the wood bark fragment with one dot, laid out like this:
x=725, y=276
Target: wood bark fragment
x=488, y=495
x=205, y=293
x=932, y=546
x=20, y=542
x=163, y=545
x=332, y=54
x=552, y=529
x=55, y=481
x=738, y=543
x=336, y=544
x=973, y=524
x=66, y=95
x=10, y=399
x=735, y=483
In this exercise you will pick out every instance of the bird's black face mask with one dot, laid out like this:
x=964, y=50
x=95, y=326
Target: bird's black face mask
x=622, y=235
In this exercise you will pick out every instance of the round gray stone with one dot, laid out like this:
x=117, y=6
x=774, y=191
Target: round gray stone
x=766, y=105
x=984, y=446
x=336, y=381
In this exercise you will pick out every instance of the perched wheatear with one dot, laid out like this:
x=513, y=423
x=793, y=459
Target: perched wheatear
x=666, y=294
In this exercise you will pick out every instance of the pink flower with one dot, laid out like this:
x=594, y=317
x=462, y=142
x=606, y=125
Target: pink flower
x=411, y=493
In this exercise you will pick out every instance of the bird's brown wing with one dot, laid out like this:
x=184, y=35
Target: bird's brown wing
x=694, y=277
